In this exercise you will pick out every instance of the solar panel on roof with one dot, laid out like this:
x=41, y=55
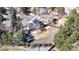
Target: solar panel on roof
x=38, y=23
x=35, y=21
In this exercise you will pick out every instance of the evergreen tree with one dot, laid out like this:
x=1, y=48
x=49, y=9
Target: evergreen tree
x=74, y=11
x=25, y=10
x=76, y=24
x=18, y=36
x=12, y=13
x=2, y=10
x=1, y=18
x=7, y=37
x=68, y=34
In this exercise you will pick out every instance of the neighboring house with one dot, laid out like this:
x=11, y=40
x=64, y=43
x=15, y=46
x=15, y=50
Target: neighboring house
x=30, y=22
x=34, y=24
x=25, y=19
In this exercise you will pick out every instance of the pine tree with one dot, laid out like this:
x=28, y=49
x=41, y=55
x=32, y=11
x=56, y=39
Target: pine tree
x=2, y=10
x=18, y=36
x=25, y=10
x=1, y=18
x=69, y=33
x=12, y=13
x=76, y=24
x=7, y=37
